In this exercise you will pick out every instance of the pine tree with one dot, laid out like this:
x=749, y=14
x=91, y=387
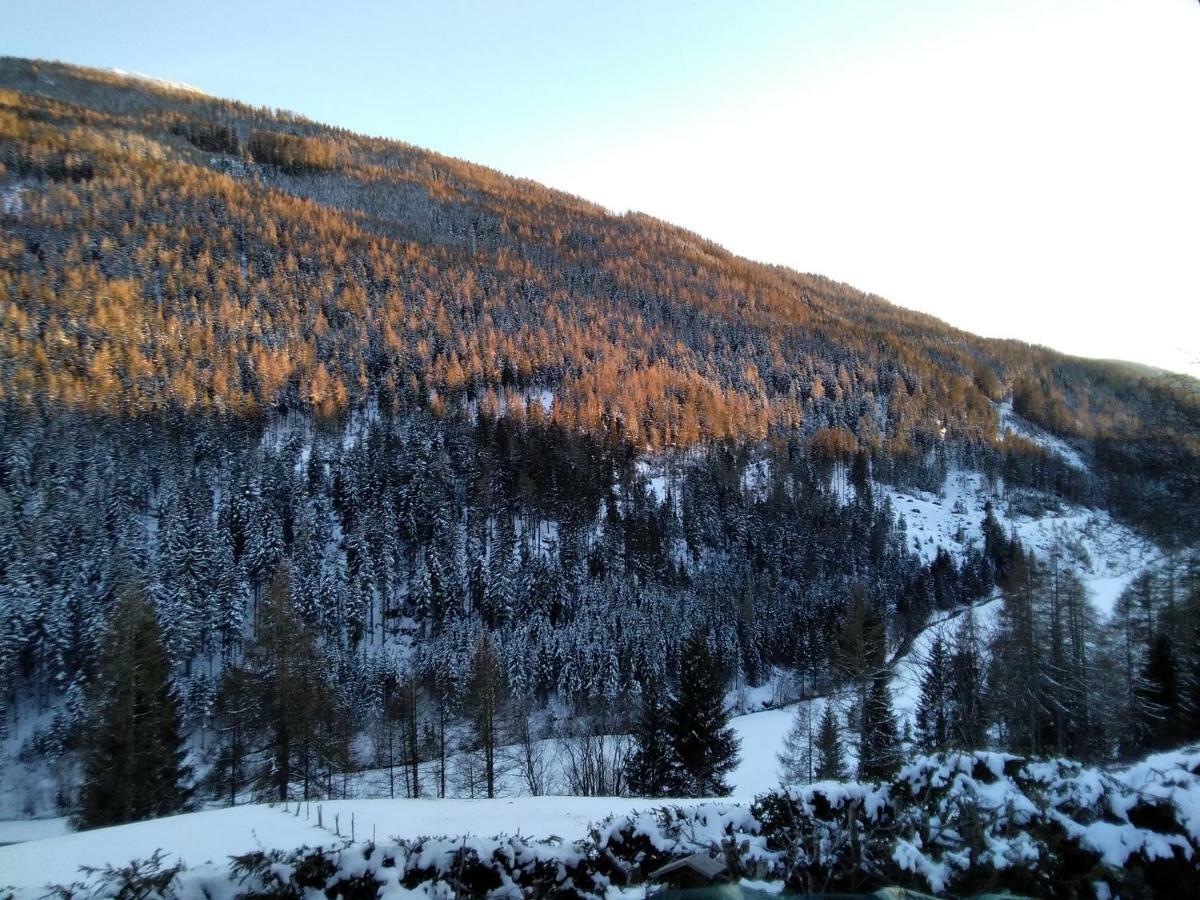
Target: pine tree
x=706, y=748
x=653, y=766
x=831, y=762
x=879, y=746
x=133, y=756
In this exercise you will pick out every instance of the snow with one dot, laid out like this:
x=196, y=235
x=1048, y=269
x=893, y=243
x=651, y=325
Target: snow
x=538, y=817
x=656, y=479
x=160, y=82
x=14, y=831
x=1010, y=422
x=194, y=837
x=1106, y=555
x=11, y=201
x=762, y=737
x=215, y=835
x=908, y=669
x=1016, y=802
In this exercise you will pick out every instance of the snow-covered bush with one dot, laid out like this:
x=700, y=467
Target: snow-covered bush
x=957, y=823
x=970, y=823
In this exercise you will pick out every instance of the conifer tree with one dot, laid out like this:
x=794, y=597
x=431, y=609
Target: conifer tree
x=934, y=707
x=487, y=696
x=879, y=745
x=706, y=748
x=290, y=690
x=1190, y=668
x=796, y=760
x=1158, y=710
x=234, y=713
x=652, y=767
x=831, y=762
x=861, y=647
x=967, y=710
x=133, y=755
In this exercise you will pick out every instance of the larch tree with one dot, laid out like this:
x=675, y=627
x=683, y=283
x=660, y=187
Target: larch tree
x=291, y=695
x=487, y=698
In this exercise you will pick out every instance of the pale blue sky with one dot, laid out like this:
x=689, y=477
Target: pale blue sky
x=1022, y=169
x=495, y=82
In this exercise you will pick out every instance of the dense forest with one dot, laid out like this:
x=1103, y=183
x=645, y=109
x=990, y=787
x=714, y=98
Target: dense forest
x=349, y=441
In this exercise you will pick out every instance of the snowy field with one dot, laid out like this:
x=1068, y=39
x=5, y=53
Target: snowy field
x=14, y=831
x=205, y=840
x=213, y=836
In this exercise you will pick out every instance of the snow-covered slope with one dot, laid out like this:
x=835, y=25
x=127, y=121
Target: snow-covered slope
x=1105, y=554
x=1011, y=423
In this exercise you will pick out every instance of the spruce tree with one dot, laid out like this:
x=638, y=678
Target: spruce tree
x=831, y=762
x=879, y=747
x=133, y=755
x=652, y=768
x=968, y=715
x=706, y=748
x=933, y=710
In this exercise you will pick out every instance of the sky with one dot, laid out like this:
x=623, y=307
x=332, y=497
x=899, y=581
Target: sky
x=1018, y=168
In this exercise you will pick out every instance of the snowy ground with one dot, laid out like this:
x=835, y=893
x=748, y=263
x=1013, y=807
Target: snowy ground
x=217, y=834
x=213, y=836
x=1011, y=422
x=909, y=668
x=14, y=831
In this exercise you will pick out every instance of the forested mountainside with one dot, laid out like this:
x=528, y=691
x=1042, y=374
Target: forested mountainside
x=398, y=425
x=169, y=252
